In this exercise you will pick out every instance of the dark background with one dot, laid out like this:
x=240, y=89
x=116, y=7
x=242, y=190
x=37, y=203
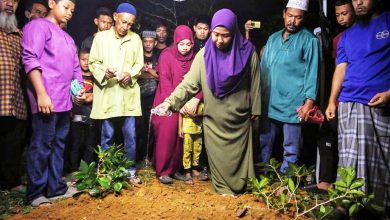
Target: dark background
x=266, y=11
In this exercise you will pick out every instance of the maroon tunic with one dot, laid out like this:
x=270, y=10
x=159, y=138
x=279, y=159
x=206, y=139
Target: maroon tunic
x=172, y=67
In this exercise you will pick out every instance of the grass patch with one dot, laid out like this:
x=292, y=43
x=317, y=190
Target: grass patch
x=12, y=203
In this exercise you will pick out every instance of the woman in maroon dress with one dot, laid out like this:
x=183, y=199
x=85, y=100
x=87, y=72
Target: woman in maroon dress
x=173, y=64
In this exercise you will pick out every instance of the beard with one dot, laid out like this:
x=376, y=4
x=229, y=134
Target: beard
x=8, y=23
x=366, y=18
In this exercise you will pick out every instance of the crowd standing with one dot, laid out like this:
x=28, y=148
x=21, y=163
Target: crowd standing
x=209, y=87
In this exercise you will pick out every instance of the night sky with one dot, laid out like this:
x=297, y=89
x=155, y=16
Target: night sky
x=269, y=12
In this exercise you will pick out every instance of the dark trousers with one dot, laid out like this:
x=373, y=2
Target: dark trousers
x=145, y=138
x=82, y=144
x=12, y=140
x=45, y=155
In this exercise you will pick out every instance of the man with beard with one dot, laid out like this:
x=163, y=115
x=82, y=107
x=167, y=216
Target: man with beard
x=162, y=38
x=289, y=69
x=13, y=109
x=361, y=86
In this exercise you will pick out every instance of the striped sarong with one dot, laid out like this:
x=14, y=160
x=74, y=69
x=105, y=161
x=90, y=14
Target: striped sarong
x=364, y=143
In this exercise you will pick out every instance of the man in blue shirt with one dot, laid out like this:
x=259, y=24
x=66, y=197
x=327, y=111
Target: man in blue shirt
x=361, y=85
x=289, y=70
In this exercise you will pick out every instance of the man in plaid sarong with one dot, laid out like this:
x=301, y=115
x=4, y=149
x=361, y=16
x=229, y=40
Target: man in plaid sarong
x=361, y=83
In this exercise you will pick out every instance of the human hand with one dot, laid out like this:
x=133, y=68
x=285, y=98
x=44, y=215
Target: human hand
x=254, y=117
x=302, y=112
x=80, y=99
x=181, y=132
x=125, y=80
x=248, y=26
x=110, y=73
x=330, y=111
x=380, y=99
x=45, y=105
x=191, y=106
x=163, y=109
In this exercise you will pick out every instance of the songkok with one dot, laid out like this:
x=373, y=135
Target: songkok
x=149, y=34
x=126, y=8
x=298, y=4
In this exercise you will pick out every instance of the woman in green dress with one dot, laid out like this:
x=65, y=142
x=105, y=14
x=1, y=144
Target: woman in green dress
x=227, y=71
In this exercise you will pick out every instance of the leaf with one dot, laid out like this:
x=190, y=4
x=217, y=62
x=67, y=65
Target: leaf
x=353, y=209
x=341, y=184
x=118, y=187
x=357, y=183
x=104, y=182
x=322, y=209
x=291, y=184
x=263, y=182
x=83, y=166
x=357, y=193
x=125, y=184
x=94, y=192
x=282, y=198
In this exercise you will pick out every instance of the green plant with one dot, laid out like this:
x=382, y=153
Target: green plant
x=110, y=174
x=282, y=193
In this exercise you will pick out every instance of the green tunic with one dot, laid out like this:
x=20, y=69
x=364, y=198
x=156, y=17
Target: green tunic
x=227, y=125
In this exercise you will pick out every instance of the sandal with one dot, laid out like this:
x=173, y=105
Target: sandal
x=134, y=180
x=179, y=176
x=165, y=180
x=204, y=175
x=40, y=202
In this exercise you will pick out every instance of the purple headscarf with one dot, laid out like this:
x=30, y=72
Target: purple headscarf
x=224, y=68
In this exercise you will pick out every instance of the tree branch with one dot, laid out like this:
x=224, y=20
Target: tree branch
x=163, y=6
x=157, y=16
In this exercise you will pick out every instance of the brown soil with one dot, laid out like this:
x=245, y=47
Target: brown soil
x=154, y=200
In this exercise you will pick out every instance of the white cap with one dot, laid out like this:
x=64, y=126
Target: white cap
x=298, y=4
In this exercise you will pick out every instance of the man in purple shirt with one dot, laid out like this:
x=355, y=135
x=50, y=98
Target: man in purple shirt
x=50, y=60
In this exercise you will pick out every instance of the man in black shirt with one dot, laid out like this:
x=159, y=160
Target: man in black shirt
x=202, y=32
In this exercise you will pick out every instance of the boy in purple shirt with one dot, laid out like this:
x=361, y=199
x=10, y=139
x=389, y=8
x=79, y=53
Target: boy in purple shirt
x=50, y=60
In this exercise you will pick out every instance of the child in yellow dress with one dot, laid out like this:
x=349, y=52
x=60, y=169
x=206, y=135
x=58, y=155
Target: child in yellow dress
x=190, y=128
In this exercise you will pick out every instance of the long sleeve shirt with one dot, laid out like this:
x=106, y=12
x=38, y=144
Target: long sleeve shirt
x=52, y=51
x=289, y=70
x=110, y=99
x=12, y=101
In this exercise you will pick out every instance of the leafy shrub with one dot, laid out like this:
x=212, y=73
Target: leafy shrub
x=282, y=193
x=109, y=176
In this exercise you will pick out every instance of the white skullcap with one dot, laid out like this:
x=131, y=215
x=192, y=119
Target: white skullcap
x=298, y=4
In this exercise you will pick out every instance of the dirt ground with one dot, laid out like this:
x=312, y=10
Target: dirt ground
x=153, y=200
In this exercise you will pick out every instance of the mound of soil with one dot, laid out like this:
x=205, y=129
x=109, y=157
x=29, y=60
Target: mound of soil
x=153, y=200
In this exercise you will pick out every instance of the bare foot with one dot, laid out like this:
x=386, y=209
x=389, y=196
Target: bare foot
x=324, y=185
x=195, y=173
x=188, y=179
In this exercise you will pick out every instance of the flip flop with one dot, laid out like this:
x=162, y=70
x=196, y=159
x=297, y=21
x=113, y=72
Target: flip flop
x=40, y=201
x=204, y=176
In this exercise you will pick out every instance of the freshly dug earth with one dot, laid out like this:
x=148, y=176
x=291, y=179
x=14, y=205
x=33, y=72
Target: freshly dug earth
x=153, y=200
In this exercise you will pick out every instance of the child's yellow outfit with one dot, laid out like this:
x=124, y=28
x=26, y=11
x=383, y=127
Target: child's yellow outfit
x=192, y=129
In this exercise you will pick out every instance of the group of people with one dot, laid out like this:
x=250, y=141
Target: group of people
x=209, y=92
